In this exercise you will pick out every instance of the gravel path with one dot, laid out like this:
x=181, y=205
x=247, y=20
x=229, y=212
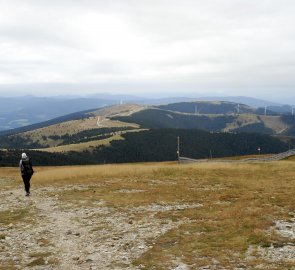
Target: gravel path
x=58, y=235
x=55, y=235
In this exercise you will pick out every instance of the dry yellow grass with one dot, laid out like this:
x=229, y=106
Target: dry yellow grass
x=292, y=158
x=275, y=123
x=13, y=216
x=93, y=173
x=70, y=127
x=242, y=120
x=89, y=146
x=240, y=204
x=245, y=157
x=124, y=109
x=272, y=122
x=79, y=147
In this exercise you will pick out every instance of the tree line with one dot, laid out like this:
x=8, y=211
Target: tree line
x=157, y=145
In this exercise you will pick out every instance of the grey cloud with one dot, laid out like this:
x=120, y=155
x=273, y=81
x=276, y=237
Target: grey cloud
x=204, y=45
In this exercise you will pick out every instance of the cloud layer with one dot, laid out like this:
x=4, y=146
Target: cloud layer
x=225, y=46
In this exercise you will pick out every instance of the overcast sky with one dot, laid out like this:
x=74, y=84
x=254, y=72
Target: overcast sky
x=148, y=47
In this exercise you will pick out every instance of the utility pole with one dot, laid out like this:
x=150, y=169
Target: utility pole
x=238, y=108
x=265, y=110
x=211, y=154
x=196, y=109
x=178, y=150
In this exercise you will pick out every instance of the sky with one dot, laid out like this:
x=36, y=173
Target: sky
x=148, y=47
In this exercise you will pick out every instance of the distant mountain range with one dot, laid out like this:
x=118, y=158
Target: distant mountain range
x=211, y=116
x=23, y=111
x=134, y=132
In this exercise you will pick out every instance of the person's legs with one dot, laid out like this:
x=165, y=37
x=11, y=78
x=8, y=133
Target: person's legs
x=26, y=179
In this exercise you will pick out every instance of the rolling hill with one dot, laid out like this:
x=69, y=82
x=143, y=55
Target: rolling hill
x=213, y=117
x=22, y=111
x=86, y=125
x=102, y=123
x=131, y=132
x=212, y=107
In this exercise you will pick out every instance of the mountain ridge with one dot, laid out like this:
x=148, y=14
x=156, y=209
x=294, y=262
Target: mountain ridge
x=115, y=119
x=25, y=110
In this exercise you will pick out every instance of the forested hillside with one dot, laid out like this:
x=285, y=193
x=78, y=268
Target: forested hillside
x=157, y=118
x=244, y=122
x=157, y=145
x=133, y=133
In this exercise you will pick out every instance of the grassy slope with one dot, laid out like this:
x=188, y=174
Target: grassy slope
x=240, y=203
x=70, y=127
x=155, y=118
x=78, y=147
x=86, y=121
x=292, y=158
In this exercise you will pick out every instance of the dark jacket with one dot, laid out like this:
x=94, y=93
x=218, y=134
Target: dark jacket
x=26, y=167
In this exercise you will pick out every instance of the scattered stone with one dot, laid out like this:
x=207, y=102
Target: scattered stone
x=130, y=191
x=286, y=229
x=215, y=262
x=119, y=239
x=15, y=258
x=181, y=267
x=281, y=251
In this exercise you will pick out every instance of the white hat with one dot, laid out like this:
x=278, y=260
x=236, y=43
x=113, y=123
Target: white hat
x=24, y=156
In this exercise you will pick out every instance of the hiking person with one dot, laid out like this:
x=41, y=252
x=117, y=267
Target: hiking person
x=26, y=169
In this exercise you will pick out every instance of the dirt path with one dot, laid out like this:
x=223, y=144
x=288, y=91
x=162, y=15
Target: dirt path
x=45, y=232
x=55, y=235
x=64, y=230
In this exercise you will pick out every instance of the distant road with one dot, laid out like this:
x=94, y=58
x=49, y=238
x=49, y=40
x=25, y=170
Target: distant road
x=275, y=157
x=100, y=120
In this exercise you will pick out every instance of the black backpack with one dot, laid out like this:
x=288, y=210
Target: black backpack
x=27, y=167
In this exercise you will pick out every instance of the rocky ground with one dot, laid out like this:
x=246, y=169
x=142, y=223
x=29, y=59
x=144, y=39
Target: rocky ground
x=53, y=234
x=278, y=251
x=65, y=236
